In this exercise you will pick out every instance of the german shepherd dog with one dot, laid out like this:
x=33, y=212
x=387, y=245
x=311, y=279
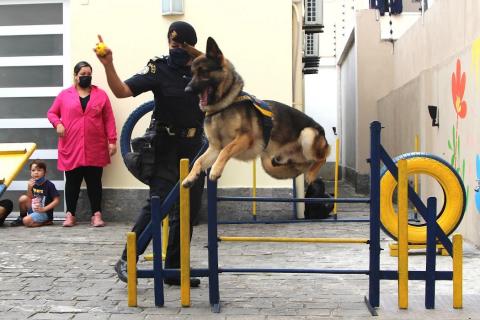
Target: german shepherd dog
x=234, y=128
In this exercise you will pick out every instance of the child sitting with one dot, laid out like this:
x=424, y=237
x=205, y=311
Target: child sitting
x=41, y=198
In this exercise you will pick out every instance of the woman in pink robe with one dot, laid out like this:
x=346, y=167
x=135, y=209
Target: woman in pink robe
x=83, y=118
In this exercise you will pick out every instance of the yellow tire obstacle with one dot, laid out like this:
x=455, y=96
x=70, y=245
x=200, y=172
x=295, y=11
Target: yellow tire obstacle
x=454, y=204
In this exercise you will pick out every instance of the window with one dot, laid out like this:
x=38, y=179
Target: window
x=34, y=68
x=172, y=7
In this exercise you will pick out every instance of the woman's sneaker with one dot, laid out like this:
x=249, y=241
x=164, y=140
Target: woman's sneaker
x=70, y=220
x=97, y=220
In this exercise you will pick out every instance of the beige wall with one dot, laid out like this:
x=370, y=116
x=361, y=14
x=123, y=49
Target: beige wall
x=374, y=77
x=255, y=35
x=424, y=61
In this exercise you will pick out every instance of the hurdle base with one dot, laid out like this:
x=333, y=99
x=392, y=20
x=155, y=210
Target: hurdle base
x=149, y=257
x=394, y=249
x=370, y=308
x=216, y=308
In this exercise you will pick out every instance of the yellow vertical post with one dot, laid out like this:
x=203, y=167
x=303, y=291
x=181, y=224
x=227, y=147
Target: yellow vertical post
x=337, y=161
x=132, y=268
x=402, y=235
x=254, y=189
x=415, y=177
x=457, y=271
x=165, y=230
x=184, y=237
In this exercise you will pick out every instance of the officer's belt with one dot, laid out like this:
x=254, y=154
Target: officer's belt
x=179, y=132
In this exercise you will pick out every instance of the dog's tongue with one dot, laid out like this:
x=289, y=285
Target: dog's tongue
x=204, y=98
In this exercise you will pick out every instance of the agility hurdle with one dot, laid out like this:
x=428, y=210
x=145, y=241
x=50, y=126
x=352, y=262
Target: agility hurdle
x=375, y=274
x=13, y=157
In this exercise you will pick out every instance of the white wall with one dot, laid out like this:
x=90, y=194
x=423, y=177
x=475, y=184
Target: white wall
x=321, y=101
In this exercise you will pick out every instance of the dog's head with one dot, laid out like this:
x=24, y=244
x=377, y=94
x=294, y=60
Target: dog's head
x=212, y=77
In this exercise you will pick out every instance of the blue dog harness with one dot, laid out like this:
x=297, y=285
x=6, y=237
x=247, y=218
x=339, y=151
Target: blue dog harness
x=263, y=109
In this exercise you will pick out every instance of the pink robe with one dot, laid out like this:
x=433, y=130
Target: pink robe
x=87, y=134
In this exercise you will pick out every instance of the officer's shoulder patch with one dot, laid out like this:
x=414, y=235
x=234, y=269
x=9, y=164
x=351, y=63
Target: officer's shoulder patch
x=144, y=70
x=152, y=67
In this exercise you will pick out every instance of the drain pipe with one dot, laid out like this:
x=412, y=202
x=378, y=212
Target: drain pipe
x=297, y=87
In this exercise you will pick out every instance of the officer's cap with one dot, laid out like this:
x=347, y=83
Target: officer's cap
x=181, y=31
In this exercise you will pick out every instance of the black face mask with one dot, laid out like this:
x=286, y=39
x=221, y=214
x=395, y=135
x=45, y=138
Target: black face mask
x=179, y=57
x=85, y=81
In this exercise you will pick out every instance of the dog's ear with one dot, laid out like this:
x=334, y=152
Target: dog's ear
x=192, y=51
x=213, y=51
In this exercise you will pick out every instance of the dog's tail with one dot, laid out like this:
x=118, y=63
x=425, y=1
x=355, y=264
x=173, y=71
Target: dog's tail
x=314, y=144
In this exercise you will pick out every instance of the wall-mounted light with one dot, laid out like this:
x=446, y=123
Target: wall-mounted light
x=334, y=130
x=434, y=114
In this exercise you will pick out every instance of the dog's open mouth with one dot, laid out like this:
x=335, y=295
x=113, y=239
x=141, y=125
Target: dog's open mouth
x=204, y=96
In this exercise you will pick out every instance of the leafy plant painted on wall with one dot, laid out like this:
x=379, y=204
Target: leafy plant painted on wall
x=459, y=81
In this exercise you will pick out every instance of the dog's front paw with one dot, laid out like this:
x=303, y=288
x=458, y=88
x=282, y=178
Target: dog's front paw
x=214, y=175
x=188, y=181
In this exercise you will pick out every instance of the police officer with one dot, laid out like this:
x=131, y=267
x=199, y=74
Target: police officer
x=178, y=121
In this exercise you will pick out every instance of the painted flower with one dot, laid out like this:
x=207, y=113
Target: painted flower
x=458, y=90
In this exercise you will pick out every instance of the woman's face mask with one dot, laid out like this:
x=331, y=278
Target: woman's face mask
x=179, y=57
x=85, y=81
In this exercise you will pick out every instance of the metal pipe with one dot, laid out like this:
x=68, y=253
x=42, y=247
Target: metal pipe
x=301, y=240
x=266, y=270
x=305, y=200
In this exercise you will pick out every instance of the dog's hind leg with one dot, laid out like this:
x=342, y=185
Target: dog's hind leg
x=239, y=145
x=313, y=170
x=203, y=162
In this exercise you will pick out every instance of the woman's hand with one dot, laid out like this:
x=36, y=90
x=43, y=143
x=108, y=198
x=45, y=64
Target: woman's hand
x=112, y=149
x=60, y=130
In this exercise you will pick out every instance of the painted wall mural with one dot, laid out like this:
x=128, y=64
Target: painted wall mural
x=476, y=70
x=459, y=81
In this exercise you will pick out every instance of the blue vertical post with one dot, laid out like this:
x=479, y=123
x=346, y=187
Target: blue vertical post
x=431, y=253
x=213, y=285
x=374, y=263
x=157, y=251
x=294, y=204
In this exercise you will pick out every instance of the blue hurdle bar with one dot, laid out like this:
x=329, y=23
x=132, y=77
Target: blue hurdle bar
x=213, y=283
x=374, y=263
x=431, y=253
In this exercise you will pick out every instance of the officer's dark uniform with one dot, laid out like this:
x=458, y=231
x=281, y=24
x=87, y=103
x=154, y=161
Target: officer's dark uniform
x=179, y=123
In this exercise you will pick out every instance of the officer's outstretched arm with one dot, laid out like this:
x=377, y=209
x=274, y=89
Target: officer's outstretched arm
x=118, y=87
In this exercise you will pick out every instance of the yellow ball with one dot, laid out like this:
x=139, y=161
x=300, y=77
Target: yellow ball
x=101, y=49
